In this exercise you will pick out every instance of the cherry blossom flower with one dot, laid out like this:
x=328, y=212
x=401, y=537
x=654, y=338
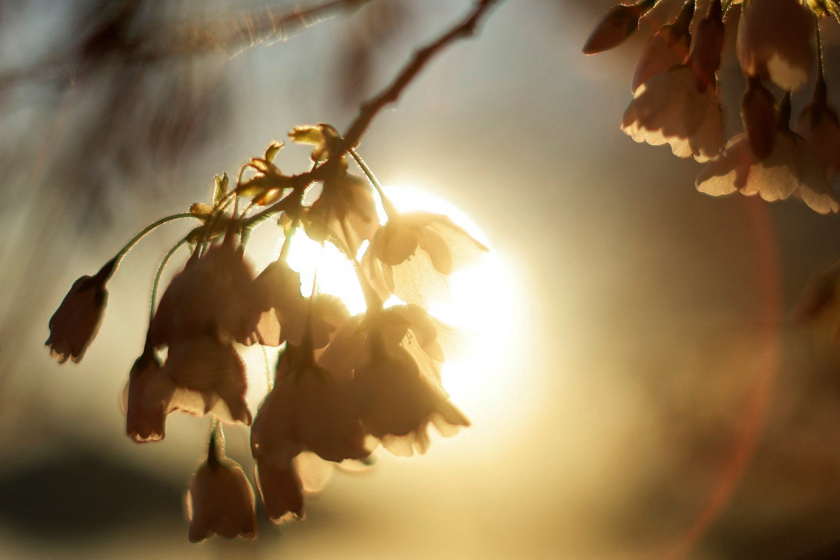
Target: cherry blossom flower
x=428, y=340
x=143, y=423
x=214, y=293
x=346, y=208
x=413, y=253
x=201, y=375
x=666, y=49
x=220, y=499
x=774, y=42
x=280, y=489
x=398, y=403
x=791, y=169
x=76, y=321
x=307, y=409
x=277, y=289
x=679, y=106
x=670, y=109
x=758, y=113
x=392, y=359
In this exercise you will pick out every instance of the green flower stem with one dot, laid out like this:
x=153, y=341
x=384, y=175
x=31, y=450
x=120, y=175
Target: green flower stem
x=158, y=274
x=390, y=210
x=148, y=229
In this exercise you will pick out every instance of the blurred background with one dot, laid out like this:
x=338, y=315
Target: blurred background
x=646, y=397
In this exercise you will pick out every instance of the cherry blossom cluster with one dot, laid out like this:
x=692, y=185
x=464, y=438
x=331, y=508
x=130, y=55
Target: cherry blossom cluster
x=676, y=97
x=342, y=385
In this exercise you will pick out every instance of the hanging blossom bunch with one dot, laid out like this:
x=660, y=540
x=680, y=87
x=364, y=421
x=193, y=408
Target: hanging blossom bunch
x=676, y=95
x=342, y=385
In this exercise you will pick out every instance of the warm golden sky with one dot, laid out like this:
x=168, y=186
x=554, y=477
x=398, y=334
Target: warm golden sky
x=648, y=401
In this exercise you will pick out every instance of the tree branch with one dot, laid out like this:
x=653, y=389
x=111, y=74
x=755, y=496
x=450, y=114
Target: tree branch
x=418, y=62
x=370, y=109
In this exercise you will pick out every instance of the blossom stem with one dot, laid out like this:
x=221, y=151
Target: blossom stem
x=158, y=274
x=820, y=59
x=390, y=210
x=148, y=229
x=287, y=243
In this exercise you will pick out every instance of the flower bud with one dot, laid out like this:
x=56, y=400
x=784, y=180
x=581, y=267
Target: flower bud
x=708, y=46
x=616, y=26
x=220, y=499
x=666, y=49
x=76, y=321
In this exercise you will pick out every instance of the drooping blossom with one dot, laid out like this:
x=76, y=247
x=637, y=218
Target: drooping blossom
x=392, y=358
x=76, y=321
x=667, y=48
x=346, y=207
x=201, y=375
x=412, y=255
x=143, y=423
x=679, y=106
x=280, y=489
x=214, y=293
x=220, y=499
x=398, y=403
x=818, y=124
x=428, y=340
x=791, y=169
x=775, y=40
x=307, y=409
x=287, y=313
x=758, y=113
x=616, y=26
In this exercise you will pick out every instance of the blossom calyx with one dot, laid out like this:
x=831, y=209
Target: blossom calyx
x=774, y=42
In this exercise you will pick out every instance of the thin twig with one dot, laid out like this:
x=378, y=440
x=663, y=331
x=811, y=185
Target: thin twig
x=370, y=109
x=418, y=62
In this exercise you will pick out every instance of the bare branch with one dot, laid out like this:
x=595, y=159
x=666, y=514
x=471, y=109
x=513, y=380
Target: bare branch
x=418, y=62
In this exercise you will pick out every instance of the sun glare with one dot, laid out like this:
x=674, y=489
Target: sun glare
x=482, y=304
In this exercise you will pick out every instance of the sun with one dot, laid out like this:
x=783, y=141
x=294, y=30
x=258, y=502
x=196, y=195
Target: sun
x=483, y=304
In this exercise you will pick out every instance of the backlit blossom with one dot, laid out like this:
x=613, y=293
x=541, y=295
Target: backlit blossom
x=428, y=340
x=220, y=500
x=413, y=253
x=201, y=375
x=280, y=489
x=398, y=403
x=214, y=293
x=775, y=40
x=143, y=423
x=346, y=208
x=791, y=169
x=277, y=289
x=76, y=321
x=307, y=409
x=669, y=109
